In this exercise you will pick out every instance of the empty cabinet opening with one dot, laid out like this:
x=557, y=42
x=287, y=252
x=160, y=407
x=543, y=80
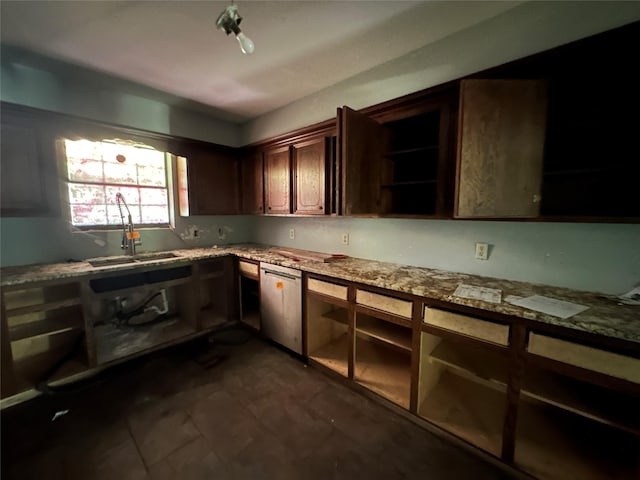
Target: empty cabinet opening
x=250, y=302
x=462, y=389
x=327, y=335
x=383, y=358
x=568, y=428
x=133, y=320
x=45, y=330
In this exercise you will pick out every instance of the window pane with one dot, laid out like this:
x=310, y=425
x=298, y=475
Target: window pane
x=152, y=176
x=153, y=214
x=96, y=176
x=83, y=170
x=131, y=195
x=153, y=196
x=120, y=173
x=88, y=214
x=86, y=194
x=83, y=149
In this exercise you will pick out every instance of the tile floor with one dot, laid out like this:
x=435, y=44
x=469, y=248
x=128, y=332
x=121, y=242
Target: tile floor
x=257, y=414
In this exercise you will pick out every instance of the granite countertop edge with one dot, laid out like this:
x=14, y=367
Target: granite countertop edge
x=603, y=317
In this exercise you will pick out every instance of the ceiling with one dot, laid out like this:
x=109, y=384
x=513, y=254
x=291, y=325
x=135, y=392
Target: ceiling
x=174, y=47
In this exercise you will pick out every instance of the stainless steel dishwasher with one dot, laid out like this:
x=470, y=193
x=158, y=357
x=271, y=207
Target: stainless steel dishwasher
x=281, y=305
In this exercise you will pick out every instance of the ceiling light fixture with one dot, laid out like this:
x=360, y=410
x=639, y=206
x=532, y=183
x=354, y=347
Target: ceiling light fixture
x=229, y=21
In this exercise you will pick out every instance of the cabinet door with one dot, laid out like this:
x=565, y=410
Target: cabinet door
x=500, y=148
x=213, y=181
x=361, y=146
x=28, y=167
x=252, y=184
x=277, y=178
x=310, y=168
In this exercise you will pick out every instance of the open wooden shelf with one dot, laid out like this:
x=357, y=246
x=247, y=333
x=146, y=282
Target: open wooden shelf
x=466, y=409
x=43, y=307
x=114, y=343
x=383, y=370
x=552, y=443
x=475, y=363
x=334, y=355
x=252, y=319
x=32, y=370
x=339, y=315
x=590, y=401
x=384, y=331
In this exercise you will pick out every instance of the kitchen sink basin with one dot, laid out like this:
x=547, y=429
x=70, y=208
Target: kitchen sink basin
x=107, y=262
x=143, y=257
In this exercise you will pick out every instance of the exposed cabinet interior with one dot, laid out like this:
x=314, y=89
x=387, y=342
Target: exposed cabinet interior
x=212, y=177
x=591, y=168
x=396, y=165
x=327, y=334
x=43, y=335
x=383, y=357
x=500, y=148
x=568, y=428
x=217, y=305
x=249, y=293
x=462, y=389
x=135, y=312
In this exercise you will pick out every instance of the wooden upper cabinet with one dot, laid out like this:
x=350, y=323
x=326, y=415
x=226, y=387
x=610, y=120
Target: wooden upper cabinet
x=251, y=173
x=398, y=162
x=213, y=180
x=28, y=165
x=310, y=176
x=277, y=180
x=500, y=148
x=361, y=143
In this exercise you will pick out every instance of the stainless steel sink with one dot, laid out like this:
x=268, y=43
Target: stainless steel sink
x=141, y=258
x=107, y=262
x=147, y=257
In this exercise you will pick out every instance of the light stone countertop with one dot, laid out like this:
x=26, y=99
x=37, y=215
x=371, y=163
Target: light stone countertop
x=603, y=317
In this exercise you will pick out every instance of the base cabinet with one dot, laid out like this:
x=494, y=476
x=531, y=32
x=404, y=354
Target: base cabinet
x=551, y=407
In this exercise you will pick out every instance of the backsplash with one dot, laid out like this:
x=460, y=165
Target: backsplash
x=594, y=257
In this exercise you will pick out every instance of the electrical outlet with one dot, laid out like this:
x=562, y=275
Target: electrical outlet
x=292, y=233
x=482, y=251
x=345, y=239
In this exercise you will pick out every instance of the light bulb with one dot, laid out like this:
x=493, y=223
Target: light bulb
x=246, y=45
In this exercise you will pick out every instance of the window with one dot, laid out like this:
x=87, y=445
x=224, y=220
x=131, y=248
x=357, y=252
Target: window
x=96, y=171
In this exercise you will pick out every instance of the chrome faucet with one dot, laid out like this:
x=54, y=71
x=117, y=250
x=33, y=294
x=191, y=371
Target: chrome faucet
x=130, y=238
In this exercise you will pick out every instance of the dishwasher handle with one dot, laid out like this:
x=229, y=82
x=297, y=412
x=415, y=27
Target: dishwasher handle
x=280, y=274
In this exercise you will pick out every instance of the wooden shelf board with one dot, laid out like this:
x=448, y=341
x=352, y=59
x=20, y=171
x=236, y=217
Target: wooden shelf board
x=609, y=408
x=31, y=370
x=555, y=444
x=467, y=410
x=46, y=326
x=384, y=331
x=383, y=370
x=334, y=355
x=113, y=343
x=339, y=315
x=47, y=306
x=480, y=365
x=409, y=151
